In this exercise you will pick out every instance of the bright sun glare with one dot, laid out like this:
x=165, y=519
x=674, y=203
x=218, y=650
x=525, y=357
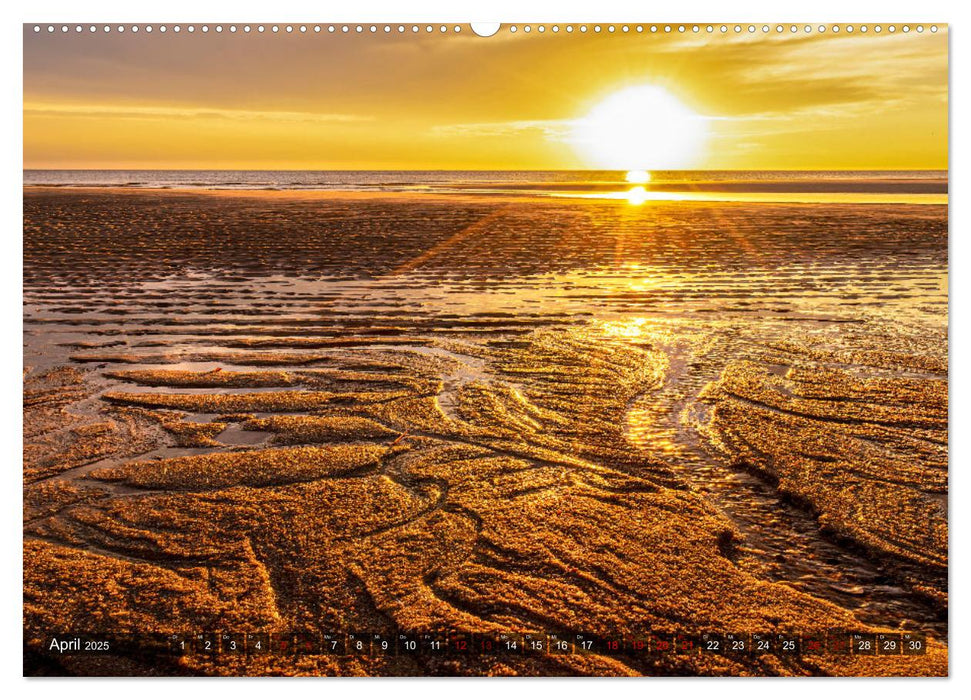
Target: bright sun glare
x=638, y=177
x=639, y=129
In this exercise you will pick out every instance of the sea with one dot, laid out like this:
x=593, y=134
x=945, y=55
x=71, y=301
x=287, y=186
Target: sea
x=900, y=186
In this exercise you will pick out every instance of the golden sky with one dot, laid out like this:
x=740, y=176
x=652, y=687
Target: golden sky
x=511, y=101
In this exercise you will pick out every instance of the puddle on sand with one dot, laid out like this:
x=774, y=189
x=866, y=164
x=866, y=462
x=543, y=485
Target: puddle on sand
x=235, y=435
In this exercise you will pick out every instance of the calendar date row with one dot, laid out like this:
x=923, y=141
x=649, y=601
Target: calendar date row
x=457, y=643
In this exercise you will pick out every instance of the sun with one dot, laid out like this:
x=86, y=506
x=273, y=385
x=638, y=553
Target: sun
x=640, y=129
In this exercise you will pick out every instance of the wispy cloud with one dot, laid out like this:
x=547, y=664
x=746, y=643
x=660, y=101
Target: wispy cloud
x=553, y=129
x=155, y=112
x=563, y=130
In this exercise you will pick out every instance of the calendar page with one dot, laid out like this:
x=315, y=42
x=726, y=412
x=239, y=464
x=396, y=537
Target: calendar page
x=438, y=349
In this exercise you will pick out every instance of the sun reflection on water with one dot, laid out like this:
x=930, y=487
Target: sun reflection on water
x=632, y=328
x=637, y=196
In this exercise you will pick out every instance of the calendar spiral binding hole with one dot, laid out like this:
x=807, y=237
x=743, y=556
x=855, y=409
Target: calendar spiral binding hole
x=512, y=29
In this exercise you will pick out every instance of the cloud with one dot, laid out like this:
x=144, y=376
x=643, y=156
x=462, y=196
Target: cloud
x=553, y=129
x=751, y=74
x=157, y=112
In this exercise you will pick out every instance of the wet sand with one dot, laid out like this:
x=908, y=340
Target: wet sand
x=267, y=412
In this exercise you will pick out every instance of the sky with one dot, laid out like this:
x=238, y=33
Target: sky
x=458, y=101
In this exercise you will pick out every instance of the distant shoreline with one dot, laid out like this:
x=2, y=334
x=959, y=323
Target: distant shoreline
x=636, y=195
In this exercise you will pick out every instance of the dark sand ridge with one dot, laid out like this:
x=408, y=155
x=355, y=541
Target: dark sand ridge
x=480, y=481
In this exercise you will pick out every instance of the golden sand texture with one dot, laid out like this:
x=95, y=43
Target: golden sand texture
x=519, y=511
x=188, y=434
x=867, y=454
x=317, y=429
x=252, y=468
x=74, y=440
x=426, y=414
x=206, y=380
x=262, y=401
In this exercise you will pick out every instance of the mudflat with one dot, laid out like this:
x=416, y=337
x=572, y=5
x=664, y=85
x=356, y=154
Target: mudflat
x=261, y=412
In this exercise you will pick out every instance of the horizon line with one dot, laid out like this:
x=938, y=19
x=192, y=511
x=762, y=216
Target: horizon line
x=501, y=170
